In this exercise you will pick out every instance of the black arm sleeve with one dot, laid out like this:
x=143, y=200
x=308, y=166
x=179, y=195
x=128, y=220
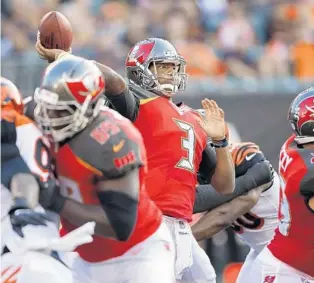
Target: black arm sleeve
x=121, y=211
x=126, y=104
x=307, y=184
x=207, y=198
x=207, y=166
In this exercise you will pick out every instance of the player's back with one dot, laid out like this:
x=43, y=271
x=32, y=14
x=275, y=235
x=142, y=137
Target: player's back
x=174, y=143
x=107, y=148
x=294, y=241
x=258, y=227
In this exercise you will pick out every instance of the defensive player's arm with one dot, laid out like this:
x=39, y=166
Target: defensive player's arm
x=251, y=169
x=223, y=216
x=259, y=174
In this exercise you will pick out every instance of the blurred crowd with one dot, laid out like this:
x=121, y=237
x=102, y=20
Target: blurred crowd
x=218, y=38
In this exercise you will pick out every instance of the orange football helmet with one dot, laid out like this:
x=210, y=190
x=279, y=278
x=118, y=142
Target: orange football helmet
x=11, y=98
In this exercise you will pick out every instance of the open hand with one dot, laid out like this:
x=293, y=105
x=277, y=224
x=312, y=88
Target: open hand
x=213, y=120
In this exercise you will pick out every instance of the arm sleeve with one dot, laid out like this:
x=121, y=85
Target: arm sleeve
x=207, y=198
x=126, y=104
x=307, y=184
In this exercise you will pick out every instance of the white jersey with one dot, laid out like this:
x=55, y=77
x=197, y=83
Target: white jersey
x=257, y=227
x=34, y=148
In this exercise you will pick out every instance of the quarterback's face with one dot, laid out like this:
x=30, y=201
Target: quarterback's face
x=164, y=72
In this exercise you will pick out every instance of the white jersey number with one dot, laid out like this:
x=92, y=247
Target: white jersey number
x=188, y=144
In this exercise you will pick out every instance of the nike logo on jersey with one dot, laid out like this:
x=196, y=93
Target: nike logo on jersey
x=118, y=147
x=249, y=157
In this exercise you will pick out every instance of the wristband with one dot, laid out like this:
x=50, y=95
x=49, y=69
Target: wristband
x=220, y=144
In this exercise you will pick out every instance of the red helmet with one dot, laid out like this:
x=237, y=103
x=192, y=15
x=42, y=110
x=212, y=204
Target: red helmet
x=11, y=98
x=147, y=53
x=301, y=116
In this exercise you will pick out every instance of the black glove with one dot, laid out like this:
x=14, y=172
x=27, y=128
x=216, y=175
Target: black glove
x=20, y=217
x=50, y=197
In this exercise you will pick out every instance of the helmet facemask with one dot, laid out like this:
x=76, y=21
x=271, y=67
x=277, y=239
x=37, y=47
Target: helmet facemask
x=168, y=84
x=301, y=117
x=60, y=120
x=148, y=78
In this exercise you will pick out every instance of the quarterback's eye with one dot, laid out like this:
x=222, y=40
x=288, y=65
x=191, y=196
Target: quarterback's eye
x=163, y=67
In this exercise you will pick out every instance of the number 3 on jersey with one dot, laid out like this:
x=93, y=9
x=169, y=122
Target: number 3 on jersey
x=188, y=144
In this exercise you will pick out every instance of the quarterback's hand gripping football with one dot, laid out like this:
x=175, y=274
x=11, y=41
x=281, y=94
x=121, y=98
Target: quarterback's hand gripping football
x=49, y=54
x=214, y=121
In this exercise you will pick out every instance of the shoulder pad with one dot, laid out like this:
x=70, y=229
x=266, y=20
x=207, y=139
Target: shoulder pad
x=111, y=144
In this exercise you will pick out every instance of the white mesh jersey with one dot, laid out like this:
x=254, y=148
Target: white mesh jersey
x=257, y=227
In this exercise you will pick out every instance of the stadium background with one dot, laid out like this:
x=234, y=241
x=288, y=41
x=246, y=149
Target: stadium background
x=252, y=57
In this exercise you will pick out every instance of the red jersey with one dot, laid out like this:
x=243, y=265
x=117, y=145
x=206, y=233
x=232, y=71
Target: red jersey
x=294, y=238
x=174, y=143
x=107, y=148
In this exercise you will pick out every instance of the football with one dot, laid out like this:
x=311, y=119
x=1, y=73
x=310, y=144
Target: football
x=55, y=31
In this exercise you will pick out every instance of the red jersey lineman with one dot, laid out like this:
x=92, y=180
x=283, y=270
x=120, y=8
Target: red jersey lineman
x=289, y=257
x=101, y=166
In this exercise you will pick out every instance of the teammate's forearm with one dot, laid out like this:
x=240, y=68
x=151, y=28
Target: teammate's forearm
x=223, y=180
x=223, y=216
x=115, y=84
x=78, y=214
